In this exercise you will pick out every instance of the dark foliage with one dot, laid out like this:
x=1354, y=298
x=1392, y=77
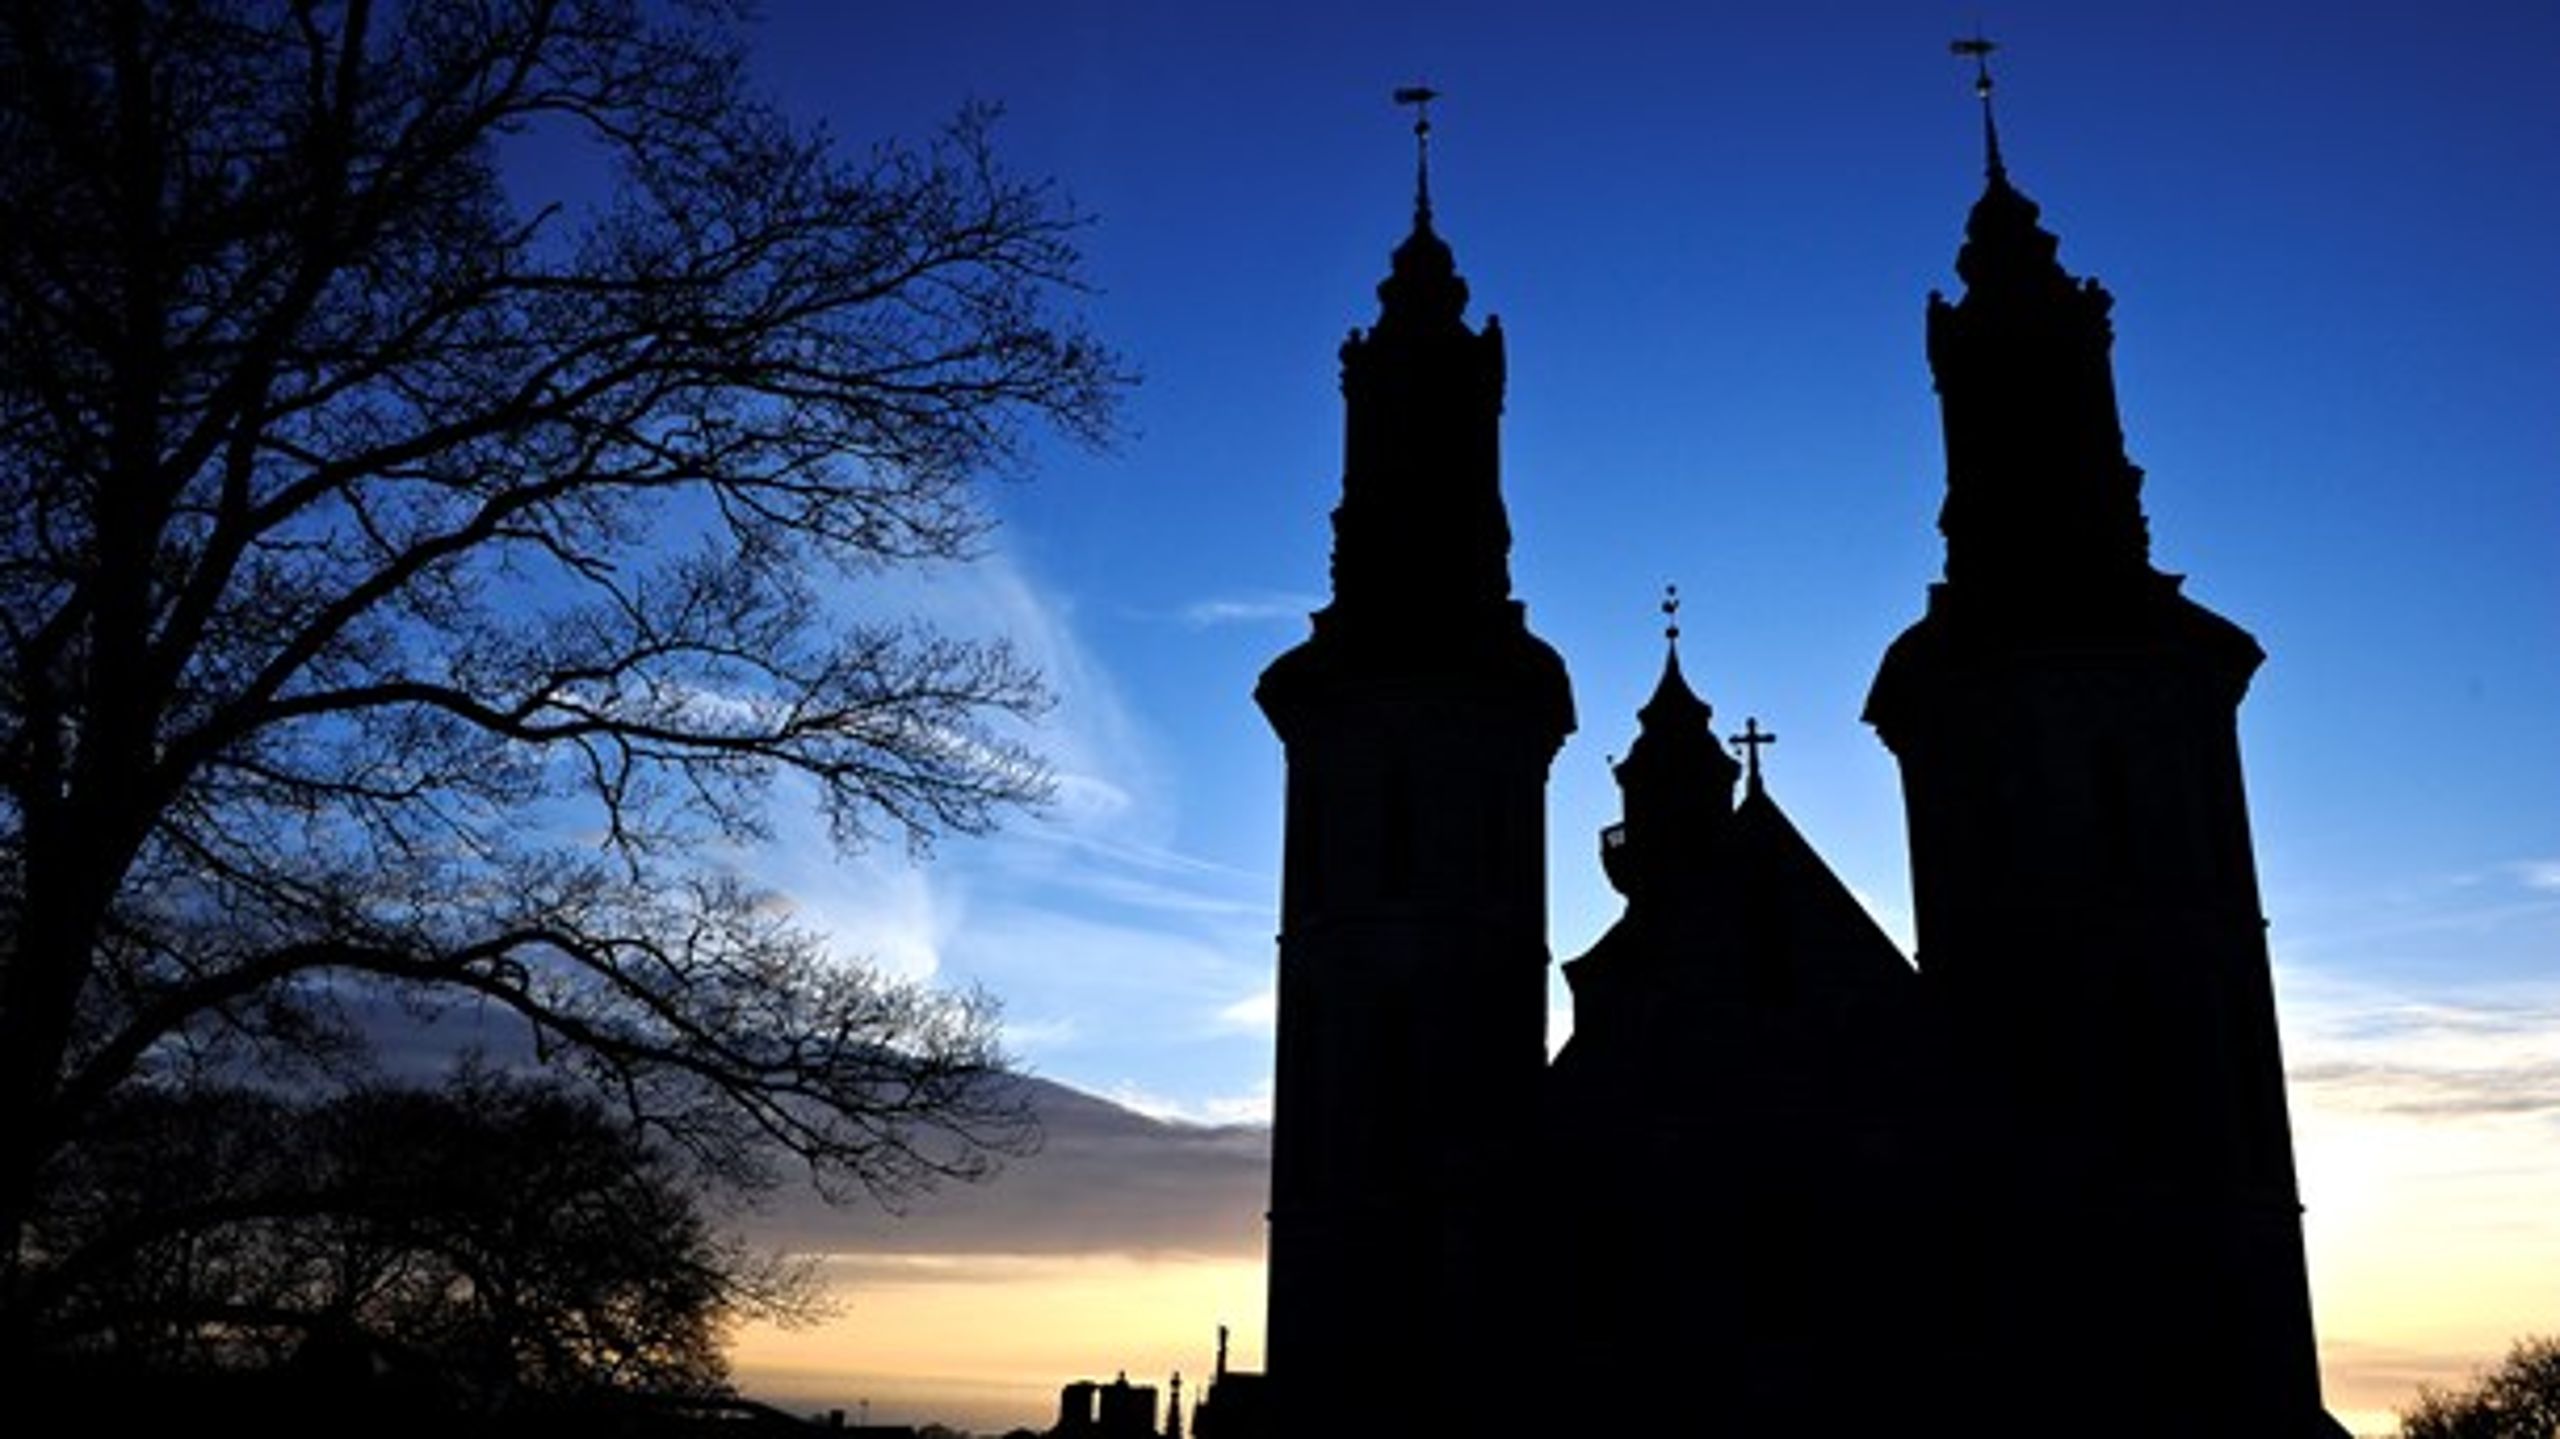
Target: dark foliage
x=2519, y=1399
x=492, y=1240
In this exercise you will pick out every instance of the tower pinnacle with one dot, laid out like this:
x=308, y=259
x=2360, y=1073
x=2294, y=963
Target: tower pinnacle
x=1978, y=49
x=1420, y=98
x=2040, y=495
x=1674, y=709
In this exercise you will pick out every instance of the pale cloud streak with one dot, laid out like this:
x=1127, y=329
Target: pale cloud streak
x=1028, y=1037
x=2504, y=917
x=2483, y=1055
x=1267, y=607
x=886, y=911
x=1257, y=1013
x=1252, y=1108
x=2541, y=874
x=1225, y=1111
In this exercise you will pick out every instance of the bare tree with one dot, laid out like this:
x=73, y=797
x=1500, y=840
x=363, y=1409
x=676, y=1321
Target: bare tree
x=410, y=581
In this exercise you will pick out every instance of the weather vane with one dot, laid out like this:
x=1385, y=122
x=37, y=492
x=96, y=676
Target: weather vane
x=1420, y=98
x=1978, y=49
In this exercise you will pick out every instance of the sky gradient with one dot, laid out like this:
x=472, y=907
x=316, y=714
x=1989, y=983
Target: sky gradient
x=1710, y=240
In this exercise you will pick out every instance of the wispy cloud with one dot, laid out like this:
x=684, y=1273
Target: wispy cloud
x=885, y=910
x=1147, y=879
x=1252, y=609
x=1124, y=976
x=1103, y=761
x=2541, y=874
x=2484, y=1053
x=1082, y=798
x=1030, y=1036
x=1113, y=951
x=1218, y=1111
x=1137, y=1099
x=2503, y=916
x=2531, y=1088
x=1256, y=1013
x=1250, y=1108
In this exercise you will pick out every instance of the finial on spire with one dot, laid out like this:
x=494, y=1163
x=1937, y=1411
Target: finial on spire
x=1978, y=49
x=1671, y=614
x=1749, y=742
x=1420, y=98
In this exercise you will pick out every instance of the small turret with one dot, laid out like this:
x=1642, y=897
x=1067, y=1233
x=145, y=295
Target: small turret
x=1675, y=785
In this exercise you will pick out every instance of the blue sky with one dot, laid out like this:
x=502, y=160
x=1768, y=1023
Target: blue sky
x=2330, y=234
x=1710, y=240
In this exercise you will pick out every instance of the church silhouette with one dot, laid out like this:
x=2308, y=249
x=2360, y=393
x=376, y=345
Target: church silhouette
x=2036, y=1179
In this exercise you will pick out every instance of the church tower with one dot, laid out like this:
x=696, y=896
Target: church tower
x=2065, y=721
x=1419, y=720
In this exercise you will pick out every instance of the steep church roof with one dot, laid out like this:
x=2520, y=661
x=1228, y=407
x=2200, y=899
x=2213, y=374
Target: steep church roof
x=1765, y=921
x=1728, y=904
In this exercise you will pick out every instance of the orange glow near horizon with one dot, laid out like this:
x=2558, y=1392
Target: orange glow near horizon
x=984, y=1341
x=2430, y=1251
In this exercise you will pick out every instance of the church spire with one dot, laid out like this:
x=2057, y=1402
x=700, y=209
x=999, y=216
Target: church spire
x=2041, y=499
x=1422, y=543
x=1422, y=291
x=1420, y=98
x=1979, y=50
x=1674, y=707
